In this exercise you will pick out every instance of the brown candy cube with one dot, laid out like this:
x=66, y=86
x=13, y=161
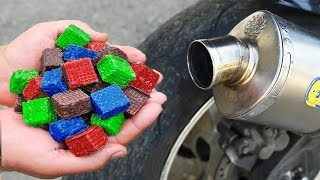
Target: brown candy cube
x=71, y=103
x=107, y=49
x=136, y=97
x=90, y=88
x=19, y=100
x=51, y=59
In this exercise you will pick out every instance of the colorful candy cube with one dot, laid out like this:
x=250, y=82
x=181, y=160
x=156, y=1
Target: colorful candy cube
x=73, y=52
x=109, y=101
x=115, y=70
x=136, y=97
x=87, y=142
x=73, y=35
x=51, y=59
x=65, y=128
x=96, y=46
x=71, y=103
x=79, y=73
x=111, y=125
x=38, y=112
x=53, y=83
x=146, y=79
x=19, y=80
x=33, y=89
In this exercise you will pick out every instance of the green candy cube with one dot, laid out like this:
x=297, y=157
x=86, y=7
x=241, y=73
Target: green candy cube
x=20, y=79
x=38, y=112
x=73, y=35
x=111, y=125
x=115, y=70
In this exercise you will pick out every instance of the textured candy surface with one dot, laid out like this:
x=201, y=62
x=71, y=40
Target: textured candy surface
x=146, y=79
x=111, y=125
x=53, y=83
x=18, y=106
x=73, y=52
x=19, y=80
x=136, y=97
x=38, y=112
x=87, y=142
x=33, y=89
x=107, y=49
x=115, y=70
x=79, y=73
x=51, y=59
x=65, y=128
x=71, y=103
x=109, y=101
x=86, y=117
x=73, y=35
x=90, y=88
x=96, y=46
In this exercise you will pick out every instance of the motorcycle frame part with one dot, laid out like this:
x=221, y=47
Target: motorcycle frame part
x=245, y=143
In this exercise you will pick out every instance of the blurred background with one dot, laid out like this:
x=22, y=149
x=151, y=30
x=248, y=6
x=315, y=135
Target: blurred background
x=126, y=22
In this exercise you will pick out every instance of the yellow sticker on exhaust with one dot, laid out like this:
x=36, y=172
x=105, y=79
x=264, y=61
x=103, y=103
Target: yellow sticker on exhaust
x=313, y=94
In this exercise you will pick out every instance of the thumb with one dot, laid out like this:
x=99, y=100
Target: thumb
x=70, y=164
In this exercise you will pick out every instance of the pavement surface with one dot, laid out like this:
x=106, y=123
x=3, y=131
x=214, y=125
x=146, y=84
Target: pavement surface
x=126, y=22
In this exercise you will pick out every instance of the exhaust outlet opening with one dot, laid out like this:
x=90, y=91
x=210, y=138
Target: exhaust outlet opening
x=200, y=65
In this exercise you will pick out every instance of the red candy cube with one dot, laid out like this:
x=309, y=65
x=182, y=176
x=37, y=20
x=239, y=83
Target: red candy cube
x=96, y=46
x=79, y=73
x=33, y=89
x=146, y=79
x=88, y=141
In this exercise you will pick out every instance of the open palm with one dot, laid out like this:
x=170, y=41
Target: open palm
x=32, y=150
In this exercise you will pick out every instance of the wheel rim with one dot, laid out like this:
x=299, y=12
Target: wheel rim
x=196, y=153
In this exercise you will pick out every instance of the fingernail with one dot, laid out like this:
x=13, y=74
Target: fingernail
x=156, y=71
x=118, y=155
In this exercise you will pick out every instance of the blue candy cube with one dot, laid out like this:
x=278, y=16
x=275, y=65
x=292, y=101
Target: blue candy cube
x=109, y=101
x=52, y=82
x=73, y=52
x=62, y=129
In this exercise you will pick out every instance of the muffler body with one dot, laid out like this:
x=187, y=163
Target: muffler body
x=265, y=71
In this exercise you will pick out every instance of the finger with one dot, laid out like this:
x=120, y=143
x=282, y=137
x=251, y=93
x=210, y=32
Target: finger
x=157, y=97
x=8, y=99
x=134, y=54
x=67, y=163
x=135, y=125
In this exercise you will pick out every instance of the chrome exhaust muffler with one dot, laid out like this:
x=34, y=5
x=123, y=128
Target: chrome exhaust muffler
x=266, y=71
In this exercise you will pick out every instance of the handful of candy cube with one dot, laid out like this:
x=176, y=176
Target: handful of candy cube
x=84, y=91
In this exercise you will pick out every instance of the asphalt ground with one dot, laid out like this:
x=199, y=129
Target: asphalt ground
x=126, y=22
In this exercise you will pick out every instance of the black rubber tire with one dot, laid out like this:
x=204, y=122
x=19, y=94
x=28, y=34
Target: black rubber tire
x=166, y=51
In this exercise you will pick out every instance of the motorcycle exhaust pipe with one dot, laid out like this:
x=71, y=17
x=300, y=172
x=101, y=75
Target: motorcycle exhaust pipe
x=266, y=71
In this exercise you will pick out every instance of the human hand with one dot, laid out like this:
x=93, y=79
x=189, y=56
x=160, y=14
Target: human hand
x=32, y=150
